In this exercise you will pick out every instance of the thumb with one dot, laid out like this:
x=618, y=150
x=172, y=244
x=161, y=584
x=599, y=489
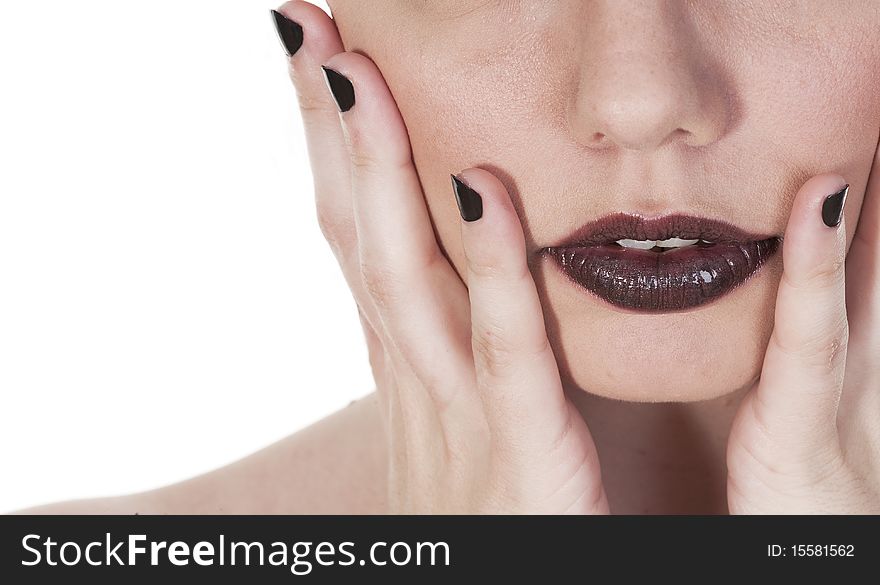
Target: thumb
x=802, y=375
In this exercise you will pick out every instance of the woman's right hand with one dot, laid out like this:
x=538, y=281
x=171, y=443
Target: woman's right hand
x=472, y=399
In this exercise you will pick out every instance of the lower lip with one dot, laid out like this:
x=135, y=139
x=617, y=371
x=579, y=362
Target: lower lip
x=675, y=280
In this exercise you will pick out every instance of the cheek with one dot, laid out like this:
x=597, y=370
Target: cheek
x=463, y=89
x=795, y=115
x=484, y=105
x=499, y=100
x=797, y=127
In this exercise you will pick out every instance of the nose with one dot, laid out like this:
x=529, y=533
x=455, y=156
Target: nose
x=645, y=81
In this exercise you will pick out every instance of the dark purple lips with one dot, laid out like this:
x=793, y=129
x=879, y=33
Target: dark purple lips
x=661, y=281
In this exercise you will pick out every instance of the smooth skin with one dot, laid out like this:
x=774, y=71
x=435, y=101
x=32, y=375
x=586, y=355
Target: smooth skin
x=477, y=418
x=469, y=414
x=473, y=405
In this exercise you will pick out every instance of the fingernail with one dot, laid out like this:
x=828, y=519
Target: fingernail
x=470, y=204
x=832, y=208
x=290, y=33
x=340, y=87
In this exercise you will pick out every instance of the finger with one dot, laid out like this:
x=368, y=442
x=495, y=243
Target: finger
x=863, y=281
x=331, y=169
x=324, y=139
x=417, y=294
x=310, y=37
x=802, y=375
x=516, y=370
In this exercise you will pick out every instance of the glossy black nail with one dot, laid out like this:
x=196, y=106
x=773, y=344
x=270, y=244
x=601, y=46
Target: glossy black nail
x=290, y=32
x=470, y=204
x=832, y=208
x=340, y=87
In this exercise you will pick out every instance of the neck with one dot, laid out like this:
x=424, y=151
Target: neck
x=662, y=458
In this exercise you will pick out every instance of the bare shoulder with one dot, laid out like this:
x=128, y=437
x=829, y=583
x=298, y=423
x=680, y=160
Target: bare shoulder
x=335, y=466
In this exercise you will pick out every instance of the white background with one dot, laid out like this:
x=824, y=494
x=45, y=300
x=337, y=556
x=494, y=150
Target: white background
x=167, y=301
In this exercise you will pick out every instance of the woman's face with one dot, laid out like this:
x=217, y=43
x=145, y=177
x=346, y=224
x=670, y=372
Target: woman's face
x=585, y=108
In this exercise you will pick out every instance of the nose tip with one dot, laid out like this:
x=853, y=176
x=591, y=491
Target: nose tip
x=651, y=91
x=641, y=121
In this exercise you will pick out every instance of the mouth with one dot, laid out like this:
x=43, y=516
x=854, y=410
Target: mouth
x=664, y=264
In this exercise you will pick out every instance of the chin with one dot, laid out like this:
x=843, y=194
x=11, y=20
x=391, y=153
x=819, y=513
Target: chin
x=699, y=354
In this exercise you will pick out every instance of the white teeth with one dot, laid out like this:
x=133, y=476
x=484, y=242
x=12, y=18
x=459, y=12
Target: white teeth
x=676, y=243
x=648, y=244
x=640, y=244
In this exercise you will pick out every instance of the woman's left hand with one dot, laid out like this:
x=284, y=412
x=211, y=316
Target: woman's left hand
x=806, y=439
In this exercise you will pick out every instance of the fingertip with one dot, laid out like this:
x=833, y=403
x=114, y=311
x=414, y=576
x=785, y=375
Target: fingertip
x=832, y=207
x=468, y=200
x=290, y=32
x=374, y=129
x=817, y=201
x=300, y=9
x=814, y=259
x=306, y=30
x=816, y=232
x=492, y=234
x=481, y=193
x=340, y=87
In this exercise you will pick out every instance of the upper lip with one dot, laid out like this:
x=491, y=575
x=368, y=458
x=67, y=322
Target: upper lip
x=627, y=226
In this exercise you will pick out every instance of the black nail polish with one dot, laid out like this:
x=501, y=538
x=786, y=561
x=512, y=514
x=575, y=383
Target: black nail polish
x=470, y=204
x=340, y=87
x=832, y=208
x=290, y=33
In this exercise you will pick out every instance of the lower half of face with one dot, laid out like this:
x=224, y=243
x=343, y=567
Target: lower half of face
x=720, y=110
x=608, y=349
x=616, y=352
x=686, y=355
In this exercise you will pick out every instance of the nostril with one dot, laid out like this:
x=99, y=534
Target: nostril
x=598, y=140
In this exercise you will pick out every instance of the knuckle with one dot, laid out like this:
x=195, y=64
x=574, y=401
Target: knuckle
x=507, y=269
x=486, y=271
x=372, y=149
x=359, y=151
x=491, y=352
x=309, y=103
x=363, y=160
x=381, y=157
x=496, y=351
x=825, y=275
x=381, y=283
x=829, y=273
x=335, y=227
x=819, y=349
